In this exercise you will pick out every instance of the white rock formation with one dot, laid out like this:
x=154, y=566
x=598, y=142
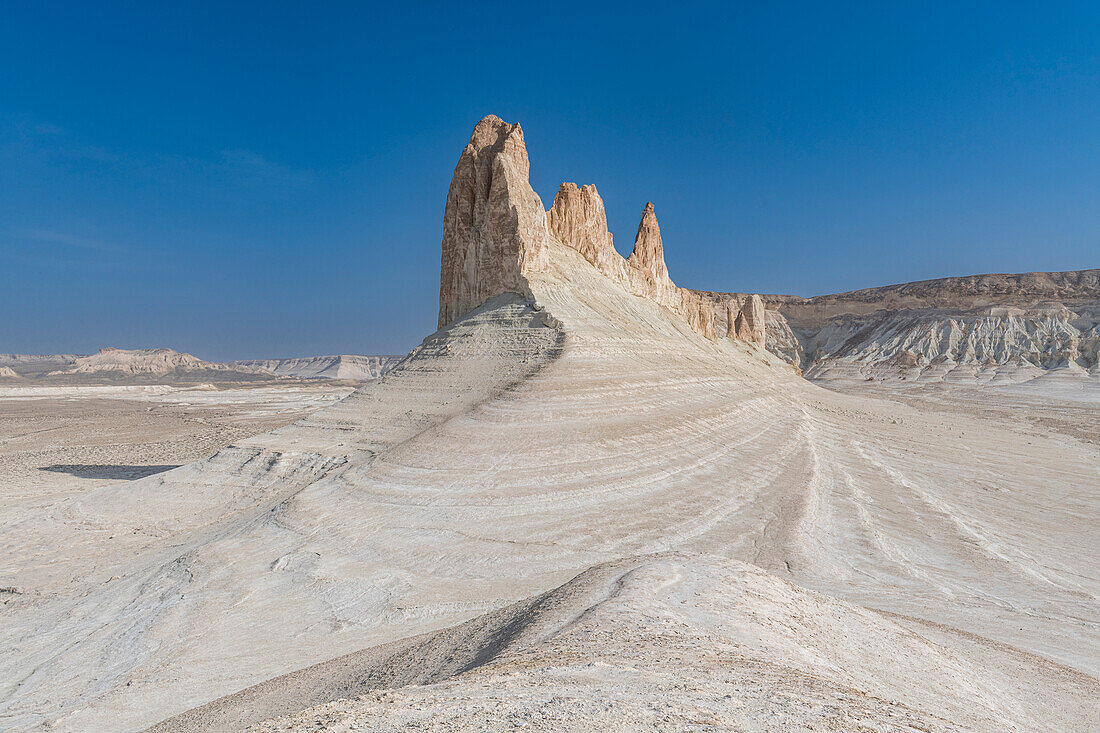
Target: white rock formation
x=750, y=651
x=578, y=219
x=984, y=343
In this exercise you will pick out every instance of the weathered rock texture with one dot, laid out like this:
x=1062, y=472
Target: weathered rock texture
x=494, y=226
x=648, y=256
x=495, y=234
x=749, y=325
x=340, y=366
x=578, y=219
x=979, y=327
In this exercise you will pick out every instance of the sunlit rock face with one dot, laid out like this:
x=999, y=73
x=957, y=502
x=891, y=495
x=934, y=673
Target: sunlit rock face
x=494, y=226
x=750, y=322
x=578, y=219
x=496, y=234
x=998, y=327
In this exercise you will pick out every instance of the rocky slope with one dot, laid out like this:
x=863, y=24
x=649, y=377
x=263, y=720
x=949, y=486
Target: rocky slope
x=976, y=329
x=982, y=328
x=564, y=418
x=343, y=366
x=752, y=652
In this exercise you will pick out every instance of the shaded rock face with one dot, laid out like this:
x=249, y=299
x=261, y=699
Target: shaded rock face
x=750, y=322
x=494, y=225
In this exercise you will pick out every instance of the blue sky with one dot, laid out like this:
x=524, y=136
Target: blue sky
x=253, y=180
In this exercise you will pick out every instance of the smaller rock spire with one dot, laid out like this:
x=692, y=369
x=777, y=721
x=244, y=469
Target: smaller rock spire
x=649, y=252
x=749, y=325
x=578, y=219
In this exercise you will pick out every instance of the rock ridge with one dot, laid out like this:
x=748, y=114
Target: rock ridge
x=496, y=234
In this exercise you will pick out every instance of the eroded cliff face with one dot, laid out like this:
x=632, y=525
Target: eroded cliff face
x=995, y=342
x=1008, y=327
x=494, y=225
x=980, y=327
x=496, y=234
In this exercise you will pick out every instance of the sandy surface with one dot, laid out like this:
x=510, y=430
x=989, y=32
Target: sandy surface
x=670, y=641
x=523, y=445
x=57, y=440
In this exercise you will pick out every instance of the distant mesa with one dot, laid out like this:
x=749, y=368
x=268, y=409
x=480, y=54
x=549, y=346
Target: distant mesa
x=148, y=366
x=342, y=366
x=157, y=362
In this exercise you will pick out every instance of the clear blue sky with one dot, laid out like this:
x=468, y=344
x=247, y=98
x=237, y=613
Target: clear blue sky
x=249, y=180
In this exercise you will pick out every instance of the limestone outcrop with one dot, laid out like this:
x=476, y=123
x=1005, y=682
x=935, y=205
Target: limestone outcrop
x=1003, y=327
x=494, y=225
x=648, y=257
x=578, y=219
x=496, y=234
x=750, y=322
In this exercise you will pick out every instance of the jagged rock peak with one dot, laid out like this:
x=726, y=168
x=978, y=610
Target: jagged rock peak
x=750, y=322
x=578, y=219
x=649, y=252
x=494, y=225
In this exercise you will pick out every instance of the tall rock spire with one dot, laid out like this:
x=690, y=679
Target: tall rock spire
x=649, y=253
x=494, y=226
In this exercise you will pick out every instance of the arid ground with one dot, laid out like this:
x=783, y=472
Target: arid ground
x=590, y=500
